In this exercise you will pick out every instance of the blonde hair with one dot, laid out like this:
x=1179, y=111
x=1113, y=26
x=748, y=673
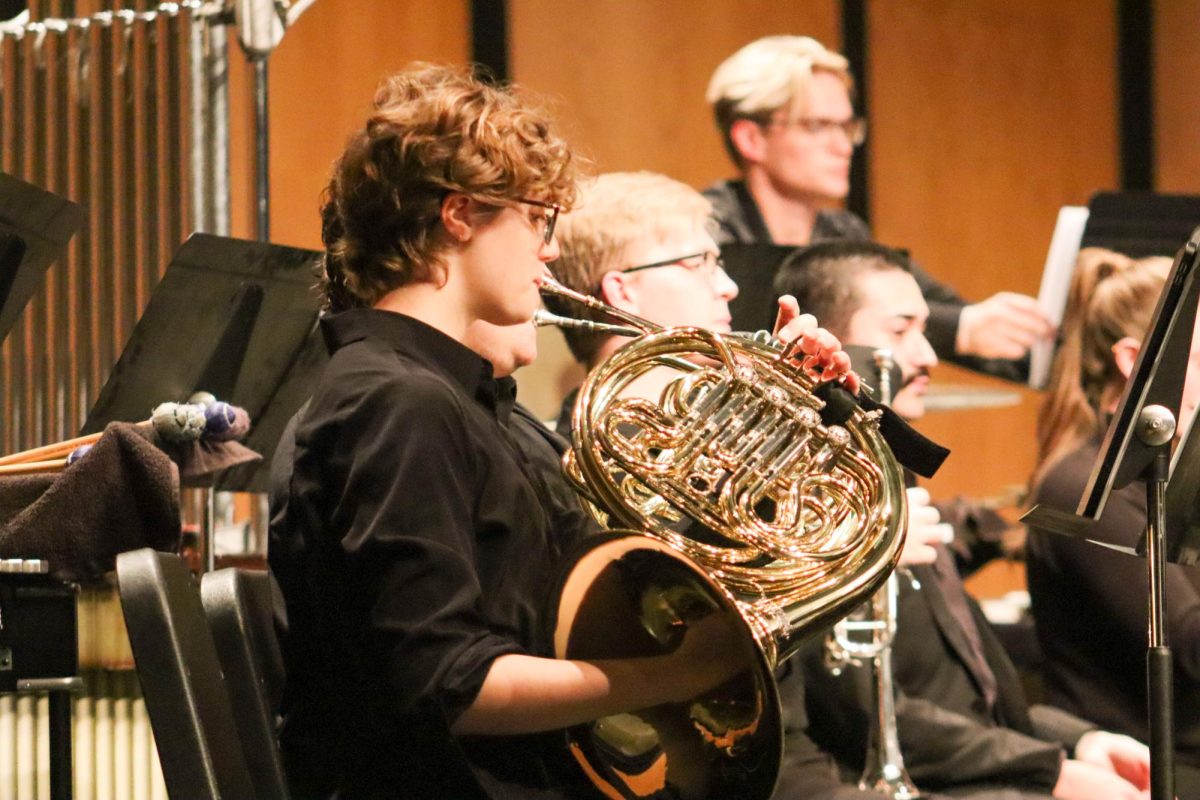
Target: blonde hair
x=616, y=210
x=1112, y=296
x=768, y=75
x=434, y=130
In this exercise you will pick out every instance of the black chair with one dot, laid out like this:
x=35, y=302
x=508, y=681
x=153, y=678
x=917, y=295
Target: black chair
x=238, y=605
x=181, y=679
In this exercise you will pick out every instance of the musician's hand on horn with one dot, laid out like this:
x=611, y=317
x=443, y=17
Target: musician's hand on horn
x=817, y=351
x=925, y=530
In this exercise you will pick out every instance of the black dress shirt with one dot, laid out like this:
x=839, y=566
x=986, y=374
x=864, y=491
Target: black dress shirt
x=739, y=220
x=1089, y=604
x=413, y=547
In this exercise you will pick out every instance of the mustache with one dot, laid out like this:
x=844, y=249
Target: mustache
x=862, y=361
x=921, y=372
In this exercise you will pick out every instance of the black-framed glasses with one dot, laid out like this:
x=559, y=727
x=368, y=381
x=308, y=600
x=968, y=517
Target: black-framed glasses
x=854, y=128
x=551, y=219
x=706, y=263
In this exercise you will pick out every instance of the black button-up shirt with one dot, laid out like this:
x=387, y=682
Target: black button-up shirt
x=414, y=545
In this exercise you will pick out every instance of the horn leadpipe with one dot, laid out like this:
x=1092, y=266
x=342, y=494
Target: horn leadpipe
x=542, y=317
x=553, y=288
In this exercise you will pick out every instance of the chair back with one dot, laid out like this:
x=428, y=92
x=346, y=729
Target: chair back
x=181, y=679
x=238, y=605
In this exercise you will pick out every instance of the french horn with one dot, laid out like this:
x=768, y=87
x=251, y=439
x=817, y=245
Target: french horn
x=735, y=500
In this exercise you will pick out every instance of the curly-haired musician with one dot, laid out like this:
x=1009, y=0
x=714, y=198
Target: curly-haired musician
x=416, y=545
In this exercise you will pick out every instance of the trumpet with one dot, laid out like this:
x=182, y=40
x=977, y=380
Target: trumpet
x=883, y=768
x=737, y=500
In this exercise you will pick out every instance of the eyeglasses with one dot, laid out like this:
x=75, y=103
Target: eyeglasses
x=550, y=220
x=708, y=265
x=854, y=128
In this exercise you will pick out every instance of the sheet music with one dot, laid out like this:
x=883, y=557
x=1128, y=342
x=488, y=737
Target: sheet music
x=1056, y=284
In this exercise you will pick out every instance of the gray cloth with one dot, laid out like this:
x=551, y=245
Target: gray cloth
x=123, y=495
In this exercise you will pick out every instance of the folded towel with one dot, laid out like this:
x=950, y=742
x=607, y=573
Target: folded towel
x=123, y=495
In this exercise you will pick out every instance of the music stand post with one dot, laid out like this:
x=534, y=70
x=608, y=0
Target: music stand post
x=1137, y=446
x=1156, y=428
x=230, y=317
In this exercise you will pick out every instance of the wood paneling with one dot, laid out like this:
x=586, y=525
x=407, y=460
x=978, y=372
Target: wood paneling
x=987, y=116
x=631, y=75
x=1177, y=114
x=322, y=78
x=627, y=81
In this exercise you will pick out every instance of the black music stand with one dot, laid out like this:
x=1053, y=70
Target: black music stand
x=292, y=390
x=1137, y=446
x=753, y=268
x=1140, y=224
x=35, y=227
x=231, y=317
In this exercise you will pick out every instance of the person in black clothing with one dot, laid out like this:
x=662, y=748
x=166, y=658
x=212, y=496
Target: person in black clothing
x=783, y=107
x=964, y=724
x=1089, y=602
x=416, y=542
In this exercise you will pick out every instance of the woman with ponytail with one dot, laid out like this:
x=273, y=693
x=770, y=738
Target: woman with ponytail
x=1089, y=602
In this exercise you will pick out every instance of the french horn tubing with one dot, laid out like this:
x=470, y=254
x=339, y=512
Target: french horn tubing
x=730, y=497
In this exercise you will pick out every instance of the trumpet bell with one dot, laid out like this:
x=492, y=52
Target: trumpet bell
x=632, y=596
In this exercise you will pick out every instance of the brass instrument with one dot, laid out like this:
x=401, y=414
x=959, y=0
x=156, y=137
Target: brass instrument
x=743, y=504
x=883, y=766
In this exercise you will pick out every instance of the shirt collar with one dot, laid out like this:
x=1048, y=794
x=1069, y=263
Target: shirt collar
x=426, y=344
x=823, y=225
x=750, y=212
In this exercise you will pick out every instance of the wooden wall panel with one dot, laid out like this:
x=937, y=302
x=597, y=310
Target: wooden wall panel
x=987, y=116
x=1177, y=115
x=627, y=80
x=631, y=75
x=322, y=78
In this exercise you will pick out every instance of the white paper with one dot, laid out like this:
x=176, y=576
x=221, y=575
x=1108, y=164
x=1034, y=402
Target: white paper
x=1056, y=285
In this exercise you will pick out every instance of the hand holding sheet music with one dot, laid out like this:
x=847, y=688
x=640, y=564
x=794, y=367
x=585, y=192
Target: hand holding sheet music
x=1006, y=325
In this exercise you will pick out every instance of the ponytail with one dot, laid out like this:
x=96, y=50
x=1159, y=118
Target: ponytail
x=1112, y=297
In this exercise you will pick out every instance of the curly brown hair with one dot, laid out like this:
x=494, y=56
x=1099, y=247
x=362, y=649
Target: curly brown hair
x=434, y=130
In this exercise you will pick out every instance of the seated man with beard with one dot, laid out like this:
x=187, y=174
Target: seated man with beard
x=964, y=724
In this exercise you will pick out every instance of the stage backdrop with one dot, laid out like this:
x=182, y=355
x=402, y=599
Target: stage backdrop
x=986, y=117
